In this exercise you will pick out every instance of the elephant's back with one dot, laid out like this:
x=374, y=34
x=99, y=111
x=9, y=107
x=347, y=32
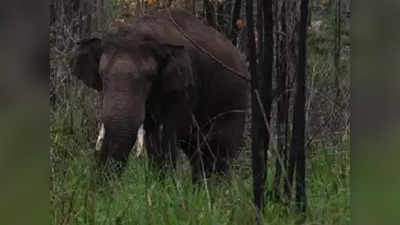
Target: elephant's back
x=217, y=88
x=208, y=39
x=220, y=90
x=176, y=26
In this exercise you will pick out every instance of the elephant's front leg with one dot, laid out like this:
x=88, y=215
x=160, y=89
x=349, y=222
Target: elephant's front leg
x=192, y=149
x=168, y=145
x=153, y=144
x=161, y=146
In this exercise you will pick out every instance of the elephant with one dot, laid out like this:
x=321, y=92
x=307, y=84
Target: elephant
x=185, y=82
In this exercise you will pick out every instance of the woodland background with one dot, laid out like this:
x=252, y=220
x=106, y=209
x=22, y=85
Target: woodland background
x=136, y=199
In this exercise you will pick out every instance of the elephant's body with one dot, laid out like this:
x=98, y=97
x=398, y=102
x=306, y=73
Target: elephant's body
x=211, y=98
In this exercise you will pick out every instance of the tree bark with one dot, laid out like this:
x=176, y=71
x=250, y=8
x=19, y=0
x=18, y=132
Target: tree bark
x=265, y=59
x=86, y=10
x=257, y=125
x=282, y=104
x=298, y=136
x=235, y=17
x=209, y=11
x=224, y=15
x=338, y=41
x=268, y=57
x=292, y=35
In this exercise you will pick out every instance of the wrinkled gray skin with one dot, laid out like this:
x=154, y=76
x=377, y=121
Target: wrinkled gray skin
x=149, y=73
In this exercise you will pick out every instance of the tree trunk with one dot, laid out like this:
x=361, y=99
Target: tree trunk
x=100, y=21
x=298, y=136
x=257, y=125
x=268, y=57
x=224, y=13
x=282, y=104
x=338, y=41
x=292, y=34
x=220, y=16
x=209, y=12
x=235, y=17
x=139, y=8
x=265, y=59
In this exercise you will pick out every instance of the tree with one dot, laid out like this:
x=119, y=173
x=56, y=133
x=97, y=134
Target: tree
x=297, y=156
x=257, y=123
x=234, y=29
x=223, y=15
x=209, y=12
x=194, y=7
x=261, y=92
x=267, y=59
x=338, y=41
x=282, y=102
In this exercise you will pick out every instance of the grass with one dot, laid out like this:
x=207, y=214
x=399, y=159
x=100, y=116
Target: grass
x=138, y=197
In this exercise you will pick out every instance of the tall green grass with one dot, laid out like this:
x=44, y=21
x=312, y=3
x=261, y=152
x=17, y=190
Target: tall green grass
x=140, y=197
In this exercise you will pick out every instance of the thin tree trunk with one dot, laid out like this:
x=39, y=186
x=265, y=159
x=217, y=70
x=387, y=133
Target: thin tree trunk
x=100, y=15
x=210, y=13
x=89, y=11
x=292, y=14
x=298, y=137
x=268, y=55
x=224, y=11
x=260, y=37
x=282, y=106
x=220, y=15
x=266, y=43
x=169, y=3
x=338, y=41
x=235, y=17
x=257, y=126
x=280, y=121
x=139, y=8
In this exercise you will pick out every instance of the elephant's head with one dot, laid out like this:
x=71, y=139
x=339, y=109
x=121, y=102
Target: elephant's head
x=127, y=74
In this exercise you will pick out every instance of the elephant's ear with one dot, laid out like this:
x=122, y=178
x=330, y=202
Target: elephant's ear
x=176, y=73
x=85, y=64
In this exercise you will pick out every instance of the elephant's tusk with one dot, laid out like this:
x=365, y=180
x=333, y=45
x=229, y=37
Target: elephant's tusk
x=140, y=141
x=139, y=144
x=100, y=138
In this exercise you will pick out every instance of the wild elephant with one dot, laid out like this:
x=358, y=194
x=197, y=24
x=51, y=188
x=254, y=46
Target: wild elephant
x=183, y=80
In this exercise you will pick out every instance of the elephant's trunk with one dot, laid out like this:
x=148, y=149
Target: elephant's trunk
x=119, y=138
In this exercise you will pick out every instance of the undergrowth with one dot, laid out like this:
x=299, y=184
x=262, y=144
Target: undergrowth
x=139, y=197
